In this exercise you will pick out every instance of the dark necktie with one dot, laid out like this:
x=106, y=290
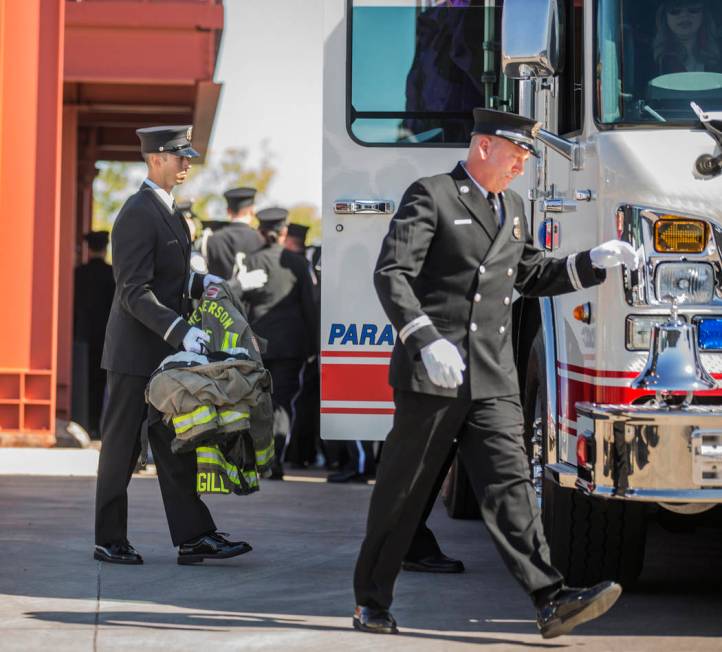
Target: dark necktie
x=496, y=209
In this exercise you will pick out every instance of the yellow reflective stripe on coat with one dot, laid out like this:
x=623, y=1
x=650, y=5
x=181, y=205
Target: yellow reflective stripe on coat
x=226, y=417
x=198, y=417
x=230, y=339
x=264, y=456
x=211, y=455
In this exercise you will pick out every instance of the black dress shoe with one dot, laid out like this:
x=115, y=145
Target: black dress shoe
x=117, y=553
x=571, y=607
x=374, y=621
x=346, y=476
x=434, y=564
x=211, y=546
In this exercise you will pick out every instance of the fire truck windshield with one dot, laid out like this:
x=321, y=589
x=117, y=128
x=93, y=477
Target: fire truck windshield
x=655, y=56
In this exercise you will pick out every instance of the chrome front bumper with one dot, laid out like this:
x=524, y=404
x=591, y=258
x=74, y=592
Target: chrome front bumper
x=650, y=453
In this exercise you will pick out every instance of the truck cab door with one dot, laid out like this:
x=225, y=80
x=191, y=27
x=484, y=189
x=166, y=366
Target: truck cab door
x=400, y=82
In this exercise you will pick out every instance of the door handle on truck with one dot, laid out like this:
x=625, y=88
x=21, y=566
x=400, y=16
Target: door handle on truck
x=363, y=207
x=558, y=206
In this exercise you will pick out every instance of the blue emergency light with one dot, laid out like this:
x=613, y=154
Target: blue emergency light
x=709, y=333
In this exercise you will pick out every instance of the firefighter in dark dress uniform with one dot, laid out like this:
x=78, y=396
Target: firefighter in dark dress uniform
x=93, y=295
x=284, y=314
x=455, y=251
x=221, y=248
x=154, y=285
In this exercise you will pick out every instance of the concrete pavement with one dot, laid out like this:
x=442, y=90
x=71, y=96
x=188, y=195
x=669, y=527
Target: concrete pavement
x=293, y=591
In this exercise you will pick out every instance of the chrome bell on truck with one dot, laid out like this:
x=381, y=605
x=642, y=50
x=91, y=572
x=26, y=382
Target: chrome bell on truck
x=674, y=365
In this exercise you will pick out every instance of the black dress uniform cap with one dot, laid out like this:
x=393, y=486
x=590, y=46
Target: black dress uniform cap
x=238, y=198
x=174, y=140
x=272, y=218
x=516, y=128
x=297, y=231
x=97, y=240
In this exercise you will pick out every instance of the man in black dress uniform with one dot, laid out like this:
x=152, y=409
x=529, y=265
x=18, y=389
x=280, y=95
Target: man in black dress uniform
x=154, y=285
x=455, y=251
x=283, y=313
x=93, y=295
x=221, y=248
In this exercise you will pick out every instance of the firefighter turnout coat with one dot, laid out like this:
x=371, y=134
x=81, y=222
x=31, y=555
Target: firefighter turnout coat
x=447, y=270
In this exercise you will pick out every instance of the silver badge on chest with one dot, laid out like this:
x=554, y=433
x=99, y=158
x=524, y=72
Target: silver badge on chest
x=516, y=228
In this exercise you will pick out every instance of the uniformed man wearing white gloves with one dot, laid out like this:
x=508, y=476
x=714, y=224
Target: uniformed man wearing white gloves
x=154, y=285
x=455, y=251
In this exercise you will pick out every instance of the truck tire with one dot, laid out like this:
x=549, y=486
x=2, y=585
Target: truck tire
x=591, y=539
x=457, y=494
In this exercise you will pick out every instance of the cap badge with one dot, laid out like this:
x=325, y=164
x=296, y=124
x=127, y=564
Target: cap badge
x=463, y=189
x=516, y=228
x=189, y=134
x=535, y=129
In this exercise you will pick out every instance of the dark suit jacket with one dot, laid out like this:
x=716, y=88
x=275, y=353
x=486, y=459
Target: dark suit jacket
x=283, y=311
x=223, y=245
x=447, y=268
x=93, y=295
x=151, y=265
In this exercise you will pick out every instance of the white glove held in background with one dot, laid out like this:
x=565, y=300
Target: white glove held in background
x=252, y=280
x=194, y=338
x=612, y=253
x=443, y=363
x=211, y=278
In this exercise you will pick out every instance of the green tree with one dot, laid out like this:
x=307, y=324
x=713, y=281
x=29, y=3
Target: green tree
x=115, y=182
x=206, y=183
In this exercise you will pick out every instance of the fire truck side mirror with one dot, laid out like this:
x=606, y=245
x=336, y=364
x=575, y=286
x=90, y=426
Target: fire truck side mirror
x=532, y=38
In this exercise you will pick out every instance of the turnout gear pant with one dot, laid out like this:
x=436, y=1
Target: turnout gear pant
x=188, y=518
x=491, y=446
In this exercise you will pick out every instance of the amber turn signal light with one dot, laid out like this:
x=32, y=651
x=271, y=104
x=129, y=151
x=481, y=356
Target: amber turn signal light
x=674, y=235
x=583, y=313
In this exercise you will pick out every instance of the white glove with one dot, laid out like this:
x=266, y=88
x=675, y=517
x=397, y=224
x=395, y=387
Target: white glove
x=612, y=253
x=443, y=363
x=252, y=280
x=211, y=278
x=194, y=338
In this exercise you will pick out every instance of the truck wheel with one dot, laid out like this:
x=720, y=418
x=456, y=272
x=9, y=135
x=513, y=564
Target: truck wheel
x=590, y=539
x=593, y=539
x=457, y=494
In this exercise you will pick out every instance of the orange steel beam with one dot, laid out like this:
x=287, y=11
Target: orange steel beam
x=31, y=46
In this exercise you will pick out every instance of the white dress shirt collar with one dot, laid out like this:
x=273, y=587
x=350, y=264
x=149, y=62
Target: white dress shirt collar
x=165, y=197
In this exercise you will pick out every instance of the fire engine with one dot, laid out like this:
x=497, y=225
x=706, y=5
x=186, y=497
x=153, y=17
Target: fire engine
x=630, y=145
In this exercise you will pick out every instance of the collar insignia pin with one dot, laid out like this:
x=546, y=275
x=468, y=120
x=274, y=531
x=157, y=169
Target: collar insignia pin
x=463, y=189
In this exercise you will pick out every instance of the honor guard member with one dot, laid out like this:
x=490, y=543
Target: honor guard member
x=154, y=285
x=296, y=238
x=283, y=313
x=221, y=248
x=455, y=251
x=93, y=295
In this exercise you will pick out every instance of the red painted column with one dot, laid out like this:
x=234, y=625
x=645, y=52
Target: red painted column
x=67, y=259
x=31, y=56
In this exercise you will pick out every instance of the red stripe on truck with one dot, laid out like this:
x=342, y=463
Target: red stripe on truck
x=355, y=382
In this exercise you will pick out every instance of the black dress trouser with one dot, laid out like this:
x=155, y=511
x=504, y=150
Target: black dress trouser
x=285, y=375
x=491, y=446
x=188, y=517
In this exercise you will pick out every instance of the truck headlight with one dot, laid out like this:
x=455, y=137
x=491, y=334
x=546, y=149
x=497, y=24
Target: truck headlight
x=687, y=282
